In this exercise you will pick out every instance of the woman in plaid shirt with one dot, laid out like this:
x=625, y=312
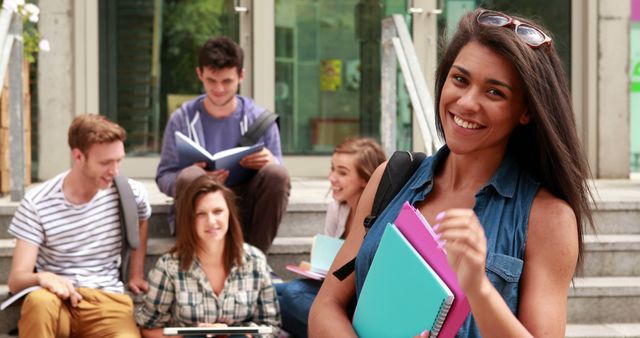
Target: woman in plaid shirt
x=210, y=277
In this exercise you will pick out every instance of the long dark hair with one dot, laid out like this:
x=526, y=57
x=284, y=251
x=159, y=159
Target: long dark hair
x=548, y=146
x=187, y=243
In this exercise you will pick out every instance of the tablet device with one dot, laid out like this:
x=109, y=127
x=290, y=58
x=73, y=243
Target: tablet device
x=222, y=330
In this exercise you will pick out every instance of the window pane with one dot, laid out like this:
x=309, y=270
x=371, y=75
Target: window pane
x=328, y=71
x=148, y=55
x=634, y=93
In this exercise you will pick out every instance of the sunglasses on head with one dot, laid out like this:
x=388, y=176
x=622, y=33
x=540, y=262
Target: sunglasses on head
x=529, y=34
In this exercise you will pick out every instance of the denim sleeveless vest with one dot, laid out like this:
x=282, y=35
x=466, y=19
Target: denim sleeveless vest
x=502, y=206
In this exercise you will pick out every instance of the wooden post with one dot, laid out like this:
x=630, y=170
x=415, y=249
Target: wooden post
x=5, y=169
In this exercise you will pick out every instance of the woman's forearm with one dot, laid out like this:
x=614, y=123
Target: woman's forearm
x=329, y=319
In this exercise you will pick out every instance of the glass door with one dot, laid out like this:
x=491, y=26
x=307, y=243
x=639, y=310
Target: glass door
x=327, y=85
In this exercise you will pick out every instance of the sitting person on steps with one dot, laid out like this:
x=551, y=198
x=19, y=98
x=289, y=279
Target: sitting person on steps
x=211, y=276
x=352, y=163
x=217, y=120
x=69, y=229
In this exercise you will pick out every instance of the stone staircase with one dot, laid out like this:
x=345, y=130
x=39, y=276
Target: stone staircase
x=604, y=302
x=605, y=299
x=304, y=218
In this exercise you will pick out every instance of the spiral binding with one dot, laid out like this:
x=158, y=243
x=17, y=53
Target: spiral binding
x=442, y=315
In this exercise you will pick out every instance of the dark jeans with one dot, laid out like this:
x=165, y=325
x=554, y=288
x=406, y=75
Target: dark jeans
x=262, y=201
x=295, y=298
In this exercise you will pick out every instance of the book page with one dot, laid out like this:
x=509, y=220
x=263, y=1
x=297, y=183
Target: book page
x=216, y=330
x=17, y=296
x=323, y=250
x=189, y=152
x=228, y=152
x=305, y=272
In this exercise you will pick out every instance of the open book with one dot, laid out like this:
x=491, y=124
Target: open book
x=17, y=296
x=401, y=296
x=226, y=330
x=190, y=152
x=323, y=250
x=419, y=233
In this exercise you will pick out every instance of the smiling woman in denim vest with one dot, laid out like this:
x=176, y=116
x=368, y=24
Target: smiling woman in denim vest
x=507, y=193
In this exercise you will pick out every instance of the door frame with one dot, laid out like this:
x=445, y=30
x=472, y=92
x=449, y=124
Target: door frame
x=257, y=33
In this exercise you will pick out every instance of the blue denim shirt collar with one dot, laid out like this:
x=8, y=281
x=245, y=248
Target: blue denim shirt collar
x=504, y=181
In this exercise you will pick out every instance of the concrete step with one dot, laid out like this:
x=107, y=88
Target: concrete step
x=604, y=300
x=307, y=218
x=617, y=206
x=611, y=255
x=600, y=297
x=619, y=217
x=285, y=250
x=614, y=330
x=299, y=220
x=304, y=216
x=11, y=315
x=591, y=300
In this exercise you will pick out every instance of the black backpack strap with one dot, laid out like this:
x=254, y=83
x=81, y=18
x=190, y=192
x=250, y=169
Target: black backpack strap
x=400, y=167
x=258, y=128
x=399, y=170
x=129, y=223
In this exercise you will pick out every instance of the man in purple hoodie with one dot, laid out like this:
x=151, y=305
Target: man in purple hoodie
x=216, y=120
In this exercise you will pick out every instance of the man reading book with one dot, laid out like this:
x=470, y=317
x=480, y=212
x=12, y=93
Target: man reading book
x=216, y=121
x=69, y=230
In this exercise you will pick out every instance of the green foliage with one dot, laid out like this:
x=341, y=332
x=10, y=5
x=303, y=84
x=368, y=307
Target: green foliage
x=31, y=40
x=187, y=26
x=31, y=36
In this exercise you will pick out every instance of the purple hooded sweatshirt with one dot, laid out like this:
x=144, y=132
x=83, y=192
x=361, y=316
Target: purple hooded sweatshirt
x=192, y=120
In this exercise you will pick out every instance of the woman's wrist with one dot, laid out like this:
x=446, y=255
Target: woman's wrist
x=483, y=290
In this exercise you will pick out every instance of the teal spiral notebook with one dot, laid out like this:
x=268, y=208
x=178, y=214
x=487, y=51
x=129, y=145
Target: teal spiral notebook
x=402, y=296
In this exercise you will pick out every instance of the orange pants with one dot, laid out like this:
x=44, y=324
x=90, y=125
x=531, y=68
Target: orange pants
x=99, y=314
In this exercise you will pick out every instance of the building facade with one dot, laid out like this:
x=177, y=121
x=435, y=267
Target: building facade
x=316, y=63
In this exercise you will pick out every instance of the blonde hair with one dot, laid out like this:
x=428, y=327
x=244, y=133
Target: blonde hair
x=369, y=154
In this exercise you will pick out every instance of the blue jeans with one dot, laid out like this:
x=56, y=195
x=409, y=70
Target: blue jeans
x=295, y=298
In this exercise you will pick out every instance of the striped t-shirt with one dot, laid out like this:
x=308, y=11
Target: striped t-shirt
x=80, y=242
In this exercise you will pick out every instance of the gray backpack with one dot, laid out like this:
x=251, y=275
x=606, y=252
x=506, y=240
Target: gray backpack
x=129, y=224
x=258, y=128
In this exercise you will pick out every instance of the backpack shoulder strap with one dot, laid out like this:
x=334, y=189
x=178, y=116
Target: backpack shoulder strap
x=399, y=170
x=129, y=212
x=400, y=167
x=258, y=128
x=129, y=226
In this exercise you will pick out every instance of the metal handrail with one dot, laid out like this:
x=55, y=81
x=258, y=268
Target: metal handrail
x=6, y=41
x=398, y=47
x=11, y=57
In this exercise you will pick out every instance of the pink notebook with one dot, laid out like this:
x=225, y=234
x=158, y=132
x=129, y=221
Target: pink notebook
x=305, y=272
x=418, y=232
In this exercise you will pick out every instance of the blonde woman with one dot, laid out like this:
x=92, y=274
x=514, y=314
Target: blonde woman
x=352, y=163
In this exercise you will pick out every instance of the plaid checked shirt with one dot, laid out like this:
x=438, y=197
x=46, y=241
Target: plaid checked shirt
x=178, y=298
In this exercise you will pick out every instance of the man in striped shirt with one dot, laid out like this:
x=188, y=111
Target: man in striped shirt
x=68, y=229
